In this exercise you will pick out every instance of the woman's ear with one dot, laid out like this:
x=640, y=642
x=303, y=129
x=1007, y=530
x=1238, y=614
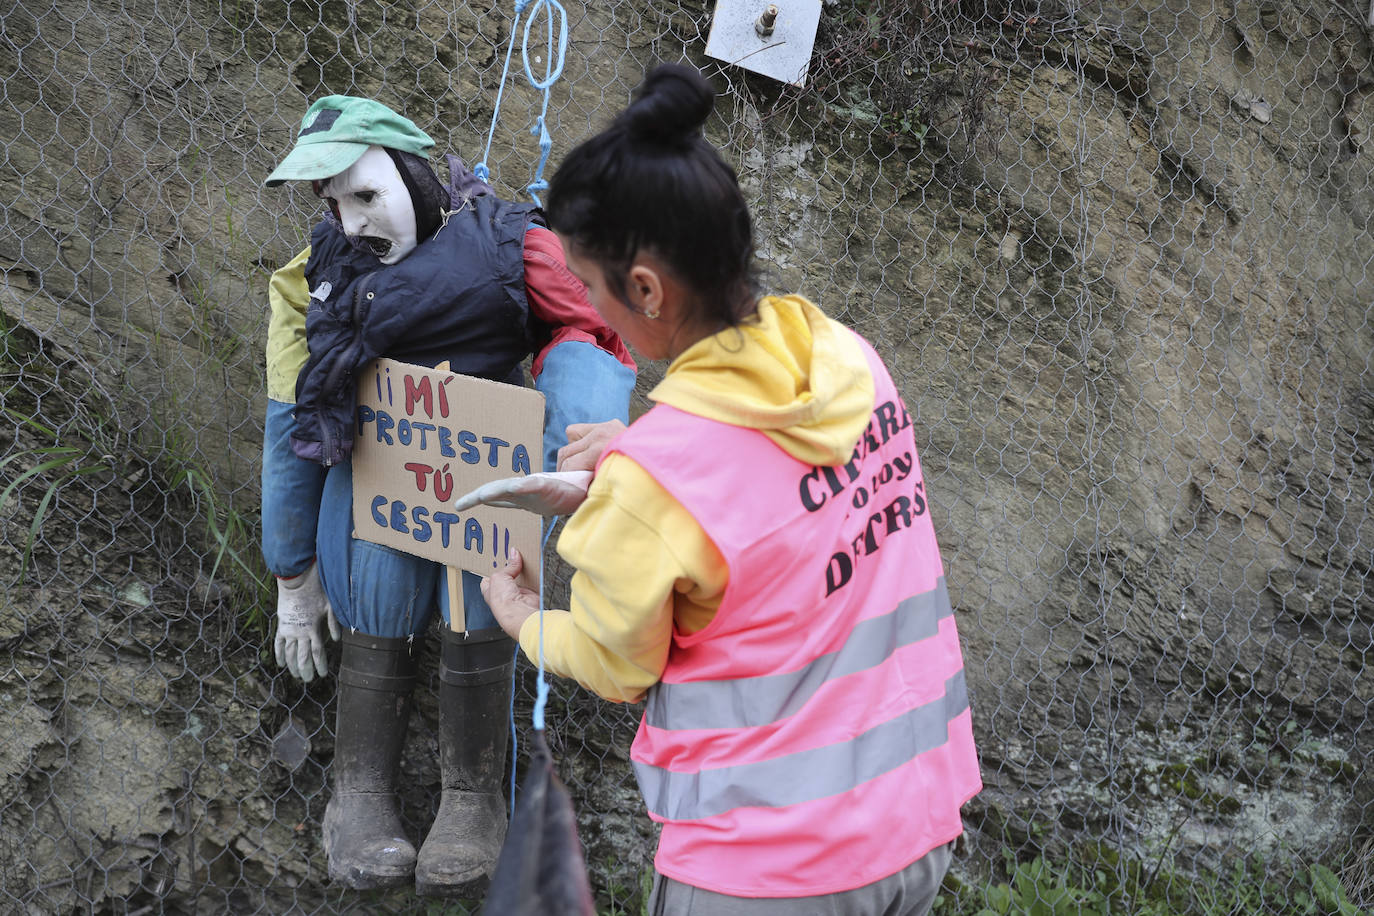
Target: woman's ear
x=644, y=284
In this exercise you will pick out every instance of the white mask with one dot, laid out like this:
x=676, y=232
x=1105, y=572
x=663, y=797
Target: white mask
x=374, y=206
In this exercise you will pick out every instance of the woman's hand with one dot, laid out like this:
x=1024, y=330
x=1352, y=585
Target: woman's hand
x=510, y=602
x=586, y=442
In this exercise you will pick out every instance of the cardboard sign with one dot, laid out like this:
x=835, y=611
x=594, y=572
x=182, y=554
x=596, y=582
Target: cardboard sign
x=423, y=438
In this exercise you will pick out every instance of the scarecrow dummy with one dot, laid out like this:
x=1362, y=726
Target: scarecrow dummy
x=406, y=267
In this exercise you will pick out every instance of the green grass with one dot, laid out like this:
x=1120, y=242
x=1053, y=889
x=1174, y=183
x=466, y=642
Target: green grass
x=625, y=902
x=77, y=436
x=56, y=466
x=232, y=537
x=1040, y=887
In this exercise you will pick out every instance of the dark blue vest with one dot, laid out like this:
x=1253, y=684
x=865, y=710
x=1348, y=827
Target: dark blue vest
x=459, y=296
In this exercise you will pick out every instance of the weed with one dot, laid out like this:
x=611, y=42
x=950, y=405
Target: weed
x=1041, y=887
x=915, y=64
x=231, y=535
x=60, y=458
x=60, y=464
x=1330, y=893
x=622, y=900
x=70, y=436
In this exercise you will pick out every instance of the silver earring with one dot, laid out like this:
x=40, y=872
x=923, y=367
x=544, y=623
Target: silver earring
x=650, y=315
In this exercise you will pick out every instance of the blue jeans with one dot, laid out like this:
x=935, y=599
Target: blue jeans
x=307, y=510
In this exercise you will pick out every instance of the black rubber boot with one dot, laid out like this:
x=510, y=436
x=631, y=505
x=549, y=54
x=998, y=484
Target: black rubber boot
x=363, y=838
x=460, y=853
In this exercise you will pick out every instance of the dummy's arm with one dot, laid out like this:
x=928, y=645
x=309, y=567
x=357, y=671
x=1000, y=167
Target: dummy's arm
x=551, y=492
x=291, y=487
x=546, y=493
x=583, y=369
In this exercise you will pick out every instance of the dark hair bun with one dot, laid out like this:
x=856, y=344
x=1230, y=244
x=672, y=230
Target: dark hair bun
x=671, y=106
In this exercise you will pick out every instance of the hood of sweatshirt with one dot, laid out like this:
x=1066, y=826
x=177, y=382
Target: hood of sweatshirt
x=793, y=374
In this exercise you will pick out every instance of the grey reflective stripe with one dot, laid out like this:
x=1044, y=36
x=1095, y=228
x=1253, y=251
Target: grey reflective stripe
x=754, y=701
x=806, y=775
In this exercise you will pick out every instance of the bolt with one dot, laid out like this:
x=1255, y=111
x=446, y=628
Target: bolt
x=764, y=24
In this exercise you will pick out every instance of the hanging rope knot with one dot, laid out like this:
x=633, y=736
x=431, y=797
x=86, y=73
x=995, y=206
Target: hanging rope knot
x=554, y=69
x=545, y=144
x=557, y=49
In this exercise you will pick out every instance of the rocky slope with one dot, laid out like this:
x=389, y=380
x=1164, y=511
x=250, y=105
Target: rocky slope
x=1118, y=259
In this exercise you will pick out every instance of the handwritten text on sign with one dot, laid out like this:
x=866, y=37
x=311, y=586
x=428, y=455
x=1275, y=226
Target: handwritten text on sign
x=425, y=437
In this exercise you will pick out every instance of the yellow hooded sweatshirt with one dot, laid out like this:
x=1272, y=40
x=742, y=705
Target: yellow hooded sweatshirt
x=642, y=562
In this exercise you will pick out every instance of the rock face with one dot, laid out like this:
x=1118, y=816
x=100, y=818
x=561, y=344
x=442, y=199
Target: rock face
x=1119, y=262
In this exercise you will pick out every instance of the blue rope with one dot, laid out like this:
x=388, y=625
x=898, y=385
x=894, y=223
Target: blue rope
x=552, y=72
x=541, y=698
x=541, y=686
x=514, y=736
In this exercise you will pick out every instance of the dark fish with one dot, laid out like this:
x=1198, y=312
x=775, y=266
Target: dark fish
x=541, y=871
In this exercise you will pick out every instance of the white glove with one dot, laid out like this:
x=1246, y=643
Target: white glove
x=545, y=493
x=301, y=602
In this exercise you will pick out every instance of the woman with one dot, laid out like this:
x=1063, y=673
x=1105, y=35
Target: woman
x=754, y=555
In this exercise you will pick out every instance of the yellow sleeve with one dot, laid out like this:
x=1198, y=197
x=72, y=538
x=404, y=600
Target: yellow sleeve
x=641, y=561
x=289, y=296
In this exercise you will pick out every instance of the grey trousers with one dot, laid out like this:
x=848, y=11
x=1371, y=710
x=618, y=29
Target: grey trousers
x=909, y=892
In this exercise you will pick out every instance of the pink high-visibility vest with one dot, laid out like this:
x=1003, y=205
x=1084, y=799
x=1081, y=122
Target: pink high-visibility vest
x=815, y=737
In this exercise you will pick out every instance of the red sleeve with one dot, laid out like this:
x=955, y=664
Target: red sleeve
x=558, y=300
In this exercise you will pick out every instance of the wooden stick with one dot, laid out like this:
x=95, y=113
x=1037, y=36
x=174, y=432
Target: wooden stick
x=457, y=611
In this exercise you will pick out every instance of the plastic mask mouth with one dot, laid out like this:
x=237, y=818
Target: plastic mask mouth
x=379, y=247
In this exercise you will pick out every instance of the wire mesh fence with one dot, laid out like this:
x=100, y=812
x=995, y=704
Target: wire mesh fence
x=1117, y=256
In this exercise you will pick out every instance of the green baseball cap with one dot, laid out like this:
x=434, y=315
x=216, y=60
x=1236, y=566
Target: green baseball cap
x=337, y=129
